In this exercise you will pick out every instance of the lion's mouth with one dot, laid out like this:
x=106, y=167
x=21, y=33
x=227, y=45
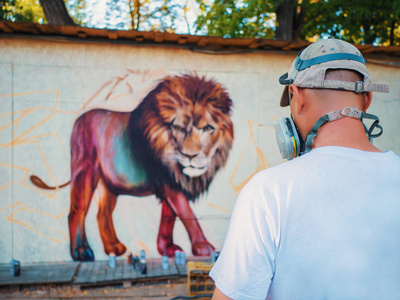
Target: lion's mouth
x=192, y=167
x=192, y=171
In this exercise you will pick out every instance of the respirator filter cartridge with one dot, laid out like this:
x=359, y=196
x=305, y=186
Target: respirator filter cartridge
x=287, y=138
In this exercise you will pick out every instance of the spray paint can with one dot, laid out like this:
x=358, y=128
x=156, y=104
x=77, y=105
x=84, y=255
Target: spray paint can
x=142, y=254
x=112, y=260
x=180, y=257
x=177, y=257
x=164, y=262
x=129, y=260
x=183, y=258
x=15, y=267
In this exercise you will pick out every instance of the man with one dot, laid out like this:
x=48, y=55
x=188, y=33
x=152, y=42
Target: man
x=325, y=225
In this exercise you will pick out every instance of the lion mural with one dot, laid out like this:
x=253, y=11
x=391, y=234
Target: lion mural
x=171, y=146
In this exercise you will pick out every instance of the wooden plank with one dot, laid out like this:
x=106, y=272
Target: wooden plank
x=110, y=273
x=160, y=272
x=39, y=273
x=150, y=270
x=119, y=270
x=182, y=271
x=100, y=271
x=156, y=268
x=85, y=272
x=128, y=272
x=172, y=271
x=90, y=273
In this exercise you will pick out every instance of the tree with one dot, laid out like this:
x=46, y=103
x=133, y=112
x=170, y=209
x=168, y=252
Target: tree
x=357, y=21
x=160, y=15
x=56, y=13
x=21, y=10
x=365, y=22
x=281, y=19
x=231, y=19
x=32, y=11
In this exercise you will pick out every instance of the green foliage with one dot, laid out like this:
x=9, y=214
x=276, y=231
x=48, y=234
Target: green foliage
x=232, y=19
x=356, y=21
x=21, y=10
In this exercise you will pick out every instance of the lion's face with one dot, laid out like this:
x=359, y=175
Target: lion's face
x=190, y=129
x=195, y=139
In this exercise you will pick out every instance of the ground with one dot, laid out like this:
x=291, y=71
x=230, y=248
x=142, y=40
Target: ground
x=164, y=290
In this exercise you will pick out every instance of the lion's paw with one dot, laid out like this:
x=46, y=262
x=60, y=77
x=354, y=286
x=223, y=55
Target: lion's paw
x=202, y=248
x=82, y=254
x=169, y=250
x=116, y=248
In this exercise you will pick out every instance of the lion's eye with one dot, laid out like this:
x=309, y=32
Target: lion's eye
x=208, y=128
x=178, y=128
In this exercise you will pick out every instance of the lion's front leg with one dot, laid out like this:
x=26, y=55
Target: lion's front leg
x=165, y=244
x=179, y=205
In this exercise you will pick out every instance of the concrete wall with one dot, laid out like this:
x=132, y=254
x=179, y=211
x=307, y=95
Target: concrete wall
x=43, y=85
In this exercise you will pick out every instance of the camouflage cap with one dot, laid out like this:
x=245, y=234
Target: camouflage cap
x=309, y=68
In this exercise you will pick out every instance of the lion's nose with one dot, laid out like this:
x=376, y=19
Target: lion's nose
x=188, y=155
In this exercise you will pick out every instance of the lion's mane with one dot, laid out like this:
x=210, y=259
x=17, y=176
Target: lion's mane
x=150, y=129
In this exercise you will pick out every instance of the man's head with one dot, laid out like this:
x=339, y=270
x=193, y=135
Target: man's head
x=309, y=104
x=309, y=69
x=327, y=81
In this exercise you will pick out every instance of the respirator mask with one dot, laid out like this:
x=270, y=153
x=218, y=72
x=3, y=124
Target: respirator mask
x=291, y=144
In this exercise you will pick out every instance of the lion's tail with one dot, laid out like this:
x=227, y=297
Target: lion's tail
x=40, y=183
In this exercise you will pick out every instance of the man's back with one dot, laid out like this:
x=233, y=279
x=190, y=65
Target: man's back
x=331, y=228
x=325, y=225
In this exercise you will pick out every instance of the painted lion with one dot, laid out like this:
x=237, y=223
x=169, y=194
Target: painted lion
x=170, y=146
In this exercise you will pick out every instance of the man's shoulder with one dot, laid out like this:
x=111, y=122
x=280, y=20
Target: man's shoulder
x=288, y=168
x=279, y=177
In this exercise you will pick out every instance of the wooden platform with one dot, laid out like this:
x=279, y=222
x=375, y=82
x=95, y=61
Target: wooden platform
x=84, y=274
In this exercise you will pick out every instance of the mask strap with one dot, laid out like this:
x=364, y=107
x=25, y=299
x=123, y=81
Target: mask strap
x=374, y=125
x=341, y=113
x=313, y=132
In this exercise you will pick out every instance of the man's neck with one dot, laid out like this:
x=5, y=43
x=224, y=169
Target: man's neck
x=345, y=132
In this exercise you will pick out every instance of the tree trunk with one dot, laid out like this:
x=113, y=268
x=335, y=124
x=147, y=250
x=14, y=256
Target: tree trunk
x=392, y=33
x=55, y=12
x=136, y=8
x=299, y=14
x=284, y=17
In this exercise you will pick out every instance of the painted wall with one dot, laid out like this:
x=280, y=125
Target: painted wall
x=44, y=85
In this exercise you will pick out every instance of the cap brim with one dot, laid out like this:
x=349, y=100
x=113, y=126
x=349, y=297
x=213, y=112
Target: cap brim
x=285, y=97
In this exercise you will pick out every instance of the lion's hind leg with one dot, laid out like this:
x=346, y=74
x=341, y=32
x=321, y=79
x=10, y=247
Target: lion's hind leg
x=107, y=201
x=81, y=194
x=84, y=178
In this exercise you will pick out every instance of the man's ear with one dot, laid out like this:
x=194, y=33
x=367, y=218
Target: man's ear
x=298, y=96
x=367, y=101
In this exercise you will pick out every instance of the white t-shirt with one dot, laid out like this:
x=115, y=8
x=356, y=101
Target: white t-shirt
x=325, y=225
